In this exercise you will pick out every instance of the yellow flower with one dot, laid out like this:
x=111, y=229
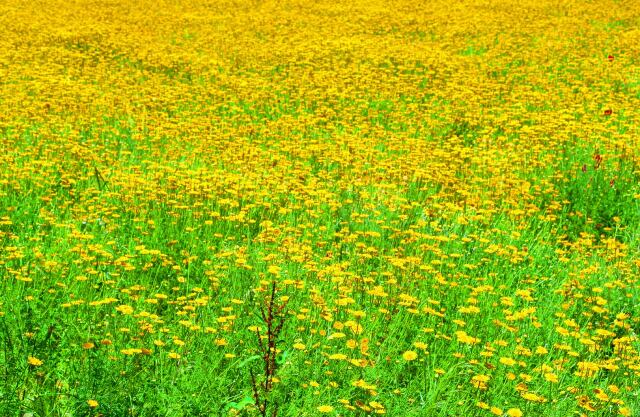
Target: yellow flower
x=125, y=309
x=376, y=405
x=273, y=269
x=480, y=381
x=482, y=405
x=33, y=361
x=514, y=412
x=497, y=411
x=624, y=411
x=507, y=361
x=420, y=345
x=325, y=408
x=409, y=355
x=299, y=346
x=530, y=396
x=92, y=403
x=463, y=337
x=361, y=363
x=174, y=355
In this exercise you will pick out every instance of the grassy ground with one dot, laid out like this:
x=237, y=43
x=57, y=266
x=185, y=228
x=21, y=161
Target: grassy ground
x=298, y=208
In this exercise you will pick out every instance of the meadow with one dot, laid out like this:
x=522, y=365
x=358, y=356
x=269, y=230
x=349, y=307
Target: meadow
x=320, y=208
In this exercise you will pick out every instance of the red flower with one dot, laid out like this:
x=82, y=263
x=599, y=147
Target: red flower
x=598, y=160
x=610, y=58
x=608, y=112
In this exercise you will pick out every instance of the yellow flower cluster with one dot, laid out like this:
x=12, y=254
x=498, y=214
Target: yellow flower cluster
x=445, y=194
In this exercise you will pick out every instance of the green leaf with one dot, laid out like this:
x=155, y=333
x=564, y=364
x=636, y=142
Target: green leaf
x=239, y=405
x=246, y=361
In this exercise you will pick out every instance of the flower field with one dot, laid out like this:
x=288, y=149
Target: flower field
x=320, y=208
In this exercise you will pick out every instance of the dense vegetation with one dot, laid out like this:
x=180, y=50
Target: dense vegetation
x=302, y=208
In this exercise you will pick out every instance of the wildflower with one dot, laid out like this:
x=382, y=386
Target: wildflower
x=325, y=408
x=597, y=160
x=375, y=404
x=482, y=405
x=508, y=361
x=92, y=403
x=420, y=345
x=125, y=309
x=514, y=412
x=463, y=337
x=541, y=350
x=33, y=361
x=497, y=411
x=530, y=396
x=480, y=381
x=273, y=269
x=409, y=355
x=624, y=411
